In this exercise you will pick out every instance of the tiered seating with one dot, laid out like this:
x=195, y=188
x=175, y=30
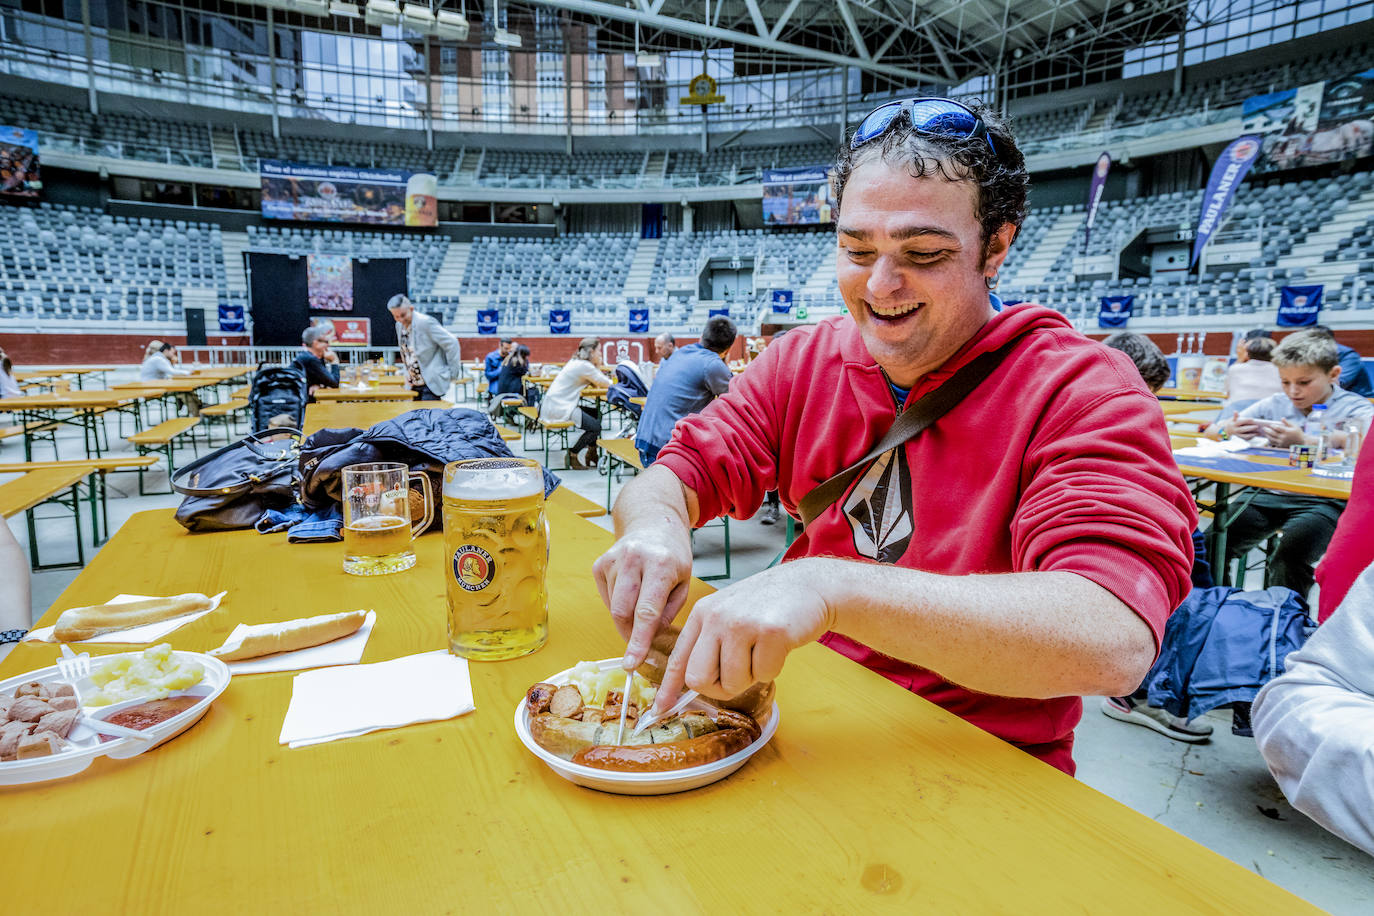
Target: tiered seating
x=73, y=263
x=315, y=150
x=425, y=250
x=127, y=136
x=521, y=169
x=1056, y=122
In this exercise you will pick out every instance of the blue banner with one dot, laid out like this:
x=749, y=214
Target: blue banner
x=487, y=320
x=1299, y=305
x=639, y=321
x=1231, y=167
x=1115, y=311
x=231, y=319
x=560, y=321
x=723, y=310
x=782, y=301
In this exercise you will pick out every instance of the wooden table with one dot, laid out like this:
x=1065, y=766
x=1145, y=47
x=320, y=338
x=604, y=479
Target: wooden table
x=384, y=393
x=78, y=408
x=1191, y=394
x=345, y=414
x=867, y=799
x=77, y=375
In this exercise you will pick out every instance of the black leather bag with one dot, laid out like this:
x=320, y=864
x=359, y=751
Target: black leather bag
x=230, y=489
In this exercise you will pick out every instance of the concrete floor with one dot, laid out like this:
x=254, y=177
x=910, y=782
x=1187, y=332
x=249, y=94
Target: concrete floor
x=1218, y=793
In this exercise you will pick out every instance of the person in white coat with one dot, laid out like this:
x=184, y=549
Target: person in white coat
x=430, y=354
x=561, y=401
x=1314, y=724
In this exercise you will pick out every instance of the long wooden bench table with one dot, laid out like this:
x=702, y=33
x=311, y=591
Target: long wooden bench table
x=97, y=471
x=39, y=487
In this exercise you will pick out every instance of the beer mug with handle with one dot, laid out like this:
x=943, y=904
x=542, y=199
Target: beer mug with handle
x=496, y=542
x=377, y=518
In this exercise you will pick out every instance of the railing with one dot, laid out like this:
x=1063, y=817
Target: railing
x=276, y=356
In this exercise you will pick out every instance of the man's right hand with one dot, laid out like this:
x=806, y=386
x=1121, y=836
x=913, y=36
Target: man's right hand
x=643, y=580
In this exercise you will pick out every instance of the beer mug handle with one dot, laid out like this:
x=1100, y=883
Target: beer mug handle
x=428, y=494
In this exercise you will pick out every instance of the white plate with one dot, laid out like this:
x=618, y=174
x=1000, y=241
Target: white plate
x=84, y=744
x=663, y=783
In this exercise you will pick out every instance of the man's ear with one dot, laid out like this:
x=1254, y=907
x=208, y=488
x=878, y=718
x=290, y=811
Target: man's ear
x=996, y=249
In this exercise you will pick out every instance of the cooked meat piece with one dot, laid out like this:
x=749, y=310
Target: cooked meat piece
x=10, y=733
x=5, y=703
x=59, y=723
x=726, y=718
x=566, y=702
x=29, y=709
x=537, y=698
x=612, y=713
x=593, y=714
x=39, y=744
x=63, y=690
x=64, y=703
x=32, y=689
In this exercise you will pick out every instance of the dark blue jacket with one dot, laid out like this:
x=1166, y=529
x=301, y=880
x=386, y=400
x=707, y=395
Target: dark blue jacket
x=1222, y=645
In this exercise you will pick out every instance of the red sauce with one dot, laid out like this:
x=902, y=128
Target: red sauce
x=146, y=715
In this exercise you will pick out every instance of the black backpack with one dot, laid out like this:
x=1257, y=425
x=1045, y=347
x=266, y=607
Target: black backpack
x=277, y=390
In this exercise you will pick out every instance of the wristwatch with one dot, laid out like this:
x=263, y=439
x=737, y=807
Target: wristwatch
x=15, y=635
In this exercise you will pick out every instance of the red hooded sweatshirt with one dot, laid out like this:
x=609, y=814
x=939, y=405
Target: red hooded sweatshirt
x=1059, y=460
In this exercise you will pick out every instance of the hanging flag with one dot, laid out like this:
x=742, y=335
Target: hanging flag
x=1114, y=311
x=1231, y=167
x=1099, y=181
x=639, y=321
x=1299, y=305
x=723, y=310
x=486, y=321
x=782, y=301
x=560, y=321
x=231, y=319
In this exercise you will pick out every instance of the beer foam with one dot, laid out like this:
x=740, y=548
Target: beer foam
x=494, y=483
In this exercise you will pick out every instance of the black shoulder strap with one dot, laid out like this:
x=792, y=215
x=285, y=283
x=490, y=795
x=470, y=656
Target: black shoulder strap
x=912, y=421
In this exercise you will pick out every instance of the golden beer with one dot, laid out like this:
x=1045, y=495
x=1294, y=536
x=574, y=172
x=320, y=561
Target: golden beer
x=377, y=524
x=377, y=545
x=496, y=559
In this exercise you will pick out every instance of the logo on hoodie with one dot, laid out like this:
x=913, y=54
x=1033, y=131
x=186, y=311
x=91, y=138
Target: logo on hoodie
x=879, y=508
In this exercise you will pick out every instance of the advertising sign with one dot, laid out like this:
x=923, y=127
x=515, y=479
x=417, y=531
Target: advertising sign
x=1115, y=311
x=351, y=332
x=387, y=197
x=797, y=197
x=19, y=163
x=1095, y=187
x=1230, y=168
x=1299, y=305
x=329, y=282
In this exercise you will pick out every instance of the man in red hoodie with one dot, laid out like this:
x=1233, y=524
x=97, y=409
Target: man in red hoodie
x=1024, y=550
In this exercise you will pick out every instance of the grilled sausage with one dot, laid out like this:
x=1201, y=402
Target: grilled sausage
x=565, y=737
x=538, y=697
x=677, y=755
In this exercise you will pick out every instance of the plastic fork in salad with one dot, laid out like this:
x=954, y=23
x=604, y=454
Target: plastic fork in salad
x=650, y=719
x=74, y=668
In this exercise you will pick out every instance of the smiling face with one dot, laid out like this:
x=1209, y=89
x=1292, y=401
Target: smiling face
x=1307, y=385
x=911, y=266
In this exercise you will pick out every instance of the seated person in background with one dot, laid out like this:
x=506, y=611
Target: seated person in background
x=317, y=361
x=561, y=400
x=1307, y=365
x=9, y=386
x=1154, y=369
x=664, y=346
x=1252, y=377
x=1314, y=724
x=684, y=385
x=157, y=363
x=491, y=366
x=15, y=612
x=514, y=367
x=1354, y=376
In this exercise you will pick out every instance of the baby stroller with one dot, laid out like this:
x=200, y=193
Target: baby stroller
x=628, y=384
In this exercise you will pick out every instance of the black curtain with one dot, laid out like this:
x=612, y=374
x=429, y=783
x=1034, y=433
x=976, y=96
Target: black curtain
x=281, y=305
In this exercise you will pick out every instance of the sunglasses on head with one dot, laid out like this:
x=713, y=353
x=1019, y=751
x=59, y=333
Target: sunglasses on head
x=935, y=117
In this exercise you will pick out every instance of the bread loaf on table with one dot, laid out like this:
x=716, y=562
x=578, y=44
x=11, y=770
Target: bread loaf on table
x=85, y=622
x=288, y=636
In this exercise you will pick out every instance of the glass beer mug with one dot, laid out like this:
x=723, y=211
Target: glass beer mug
x=496, y=542
x=377, y=521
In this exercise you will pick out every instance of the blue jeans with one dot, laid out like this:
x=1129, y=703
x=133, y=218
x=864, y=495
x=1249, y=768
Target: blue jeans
x=648, y=454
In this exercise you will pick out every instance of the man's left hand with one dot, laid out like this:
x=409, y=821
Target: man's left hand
x=741, y=635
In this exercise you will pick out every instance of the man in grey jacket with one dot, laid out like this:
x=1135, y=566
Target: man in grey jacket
x=429, y=353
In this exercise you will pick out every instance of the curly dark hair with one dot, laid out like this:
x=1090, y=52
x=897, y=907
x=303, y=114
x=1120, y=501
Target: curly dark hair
x=1002, y=178
x=1148, y=358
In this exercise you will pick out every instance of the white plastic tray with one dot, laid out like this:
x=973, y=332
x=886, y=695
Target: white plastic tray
x=84, y=744
x=663, y=783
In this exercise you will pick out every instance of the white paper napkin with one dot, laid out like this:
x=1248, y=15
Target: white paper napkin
x=149, y=632
x=1212, y=448
x=345, y=651
x=333, y=703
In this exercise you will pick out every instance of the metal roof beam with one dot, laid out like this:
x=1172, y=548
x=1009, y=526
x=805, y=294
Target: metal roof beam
x=701, y=30
x=760, y=26
x=848, y=16
x=774, y=32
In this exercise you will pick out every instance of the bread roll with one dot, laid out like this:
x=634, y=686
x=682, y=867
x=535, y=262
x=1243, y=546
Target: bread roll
x=85, y=622
x=288, y=636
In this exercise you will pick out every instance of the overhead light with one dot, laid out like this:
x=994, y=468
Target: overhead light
x=451, y=25
x=1130, y=8
x=1016, y=53
x=507, y=39
x=418, y=17
x=1071, y=33
x=339, y=8
x=382, y=12
x=311, y=7
x=648, y=60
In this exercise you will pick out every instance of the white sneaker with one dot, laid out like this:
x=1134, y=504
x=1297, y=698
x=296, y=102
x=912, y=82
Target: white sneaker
x=1127, y=709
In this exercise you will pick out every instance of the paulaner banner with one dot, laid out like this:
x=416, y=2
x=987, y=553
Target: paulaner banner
x=639, y=321
x=1231, y=167
x=1115, y=311
x=1299, y=305
x=1099, y=182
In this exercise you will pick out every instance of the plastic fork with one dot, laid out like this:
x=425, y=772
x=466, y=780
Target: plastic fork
x=73, y=667
x=682, y=703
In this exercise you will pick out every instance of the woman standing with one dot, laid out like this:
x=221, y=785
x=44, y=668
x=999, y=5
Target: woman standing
x=561, y=401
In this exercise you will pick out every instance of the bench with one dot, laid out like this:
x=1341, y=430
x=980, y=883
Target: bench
x=36, y=431
x=243, y=393
x=575, y=503
x=98, y=469
x=549, y=429
x=162, y=439
x=48, y=485
x=225, y=414
x=506, y=433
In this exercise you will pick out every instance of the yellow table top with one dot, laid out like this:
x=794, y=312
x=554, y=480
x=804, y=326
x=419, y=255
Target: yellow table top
x=345, y=414
x=55, y=373
x=1283, y=478
x=867, y=798
x=75, y=400
x=1172, y=408
x=384, y=393
x=1194, y=394
x=180, y=383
